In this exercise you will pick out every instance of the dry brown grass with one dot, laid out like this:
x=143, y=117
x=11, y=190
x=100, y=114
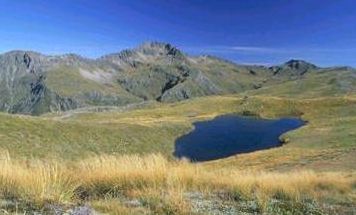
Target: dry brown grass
x=35, y=182
x=160, y=184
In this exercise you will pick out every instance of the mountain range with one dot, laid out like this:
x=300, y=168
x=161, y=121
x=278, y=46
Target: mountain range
x=33, y=83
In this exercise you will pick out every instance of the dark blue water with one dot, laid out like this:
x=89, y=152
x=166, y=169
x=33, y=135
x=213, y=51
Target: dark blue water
x=230, y=135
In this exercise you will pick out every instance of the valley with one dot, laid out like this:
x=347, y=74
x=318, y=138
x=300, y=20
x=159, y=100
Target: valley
x=99, y=135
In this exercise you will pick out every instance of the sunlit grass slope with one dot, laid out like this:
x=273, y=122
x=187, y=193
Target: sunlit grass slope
x=331, y=123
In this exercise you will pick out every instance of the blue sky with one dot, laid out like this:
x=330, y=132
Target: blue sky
x=245, y=31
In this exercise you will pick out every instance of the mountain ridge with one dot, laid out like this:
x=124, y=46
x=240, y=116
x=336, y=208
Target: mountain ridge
x=34, y=83
x=102, y=57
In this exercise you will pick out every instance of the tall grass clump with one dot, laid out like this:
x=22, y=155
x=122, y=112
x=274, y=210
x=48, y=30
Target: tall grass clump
x=118, y=175
x=111, y=175
x=160, y=184
x=35, y=182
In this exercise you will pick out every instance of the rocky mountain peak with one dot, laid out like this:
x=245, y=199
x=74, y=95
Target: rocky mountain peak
x=148, y=52
x=25, y=57
x=159, y=49
x=293, y=68
x=25, y=61
x=299, y=64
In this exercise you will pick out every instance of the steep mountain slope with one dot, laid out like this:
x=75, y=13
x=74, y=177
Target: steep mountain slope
x=23, y=88
x=162, y=72
x=33, y=83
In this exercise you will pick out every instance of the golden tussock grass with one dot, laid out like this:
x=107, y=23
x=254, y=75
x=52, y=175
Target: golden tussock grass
x=35, y=182
x=157, y=181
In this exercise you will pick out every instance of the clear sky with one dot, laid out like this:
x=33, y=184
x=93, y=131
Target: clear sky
x=245, y=31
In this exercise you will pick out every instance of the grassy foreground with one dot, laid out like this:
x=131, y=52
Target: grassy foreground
x=109, y=184
x=120, y=161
